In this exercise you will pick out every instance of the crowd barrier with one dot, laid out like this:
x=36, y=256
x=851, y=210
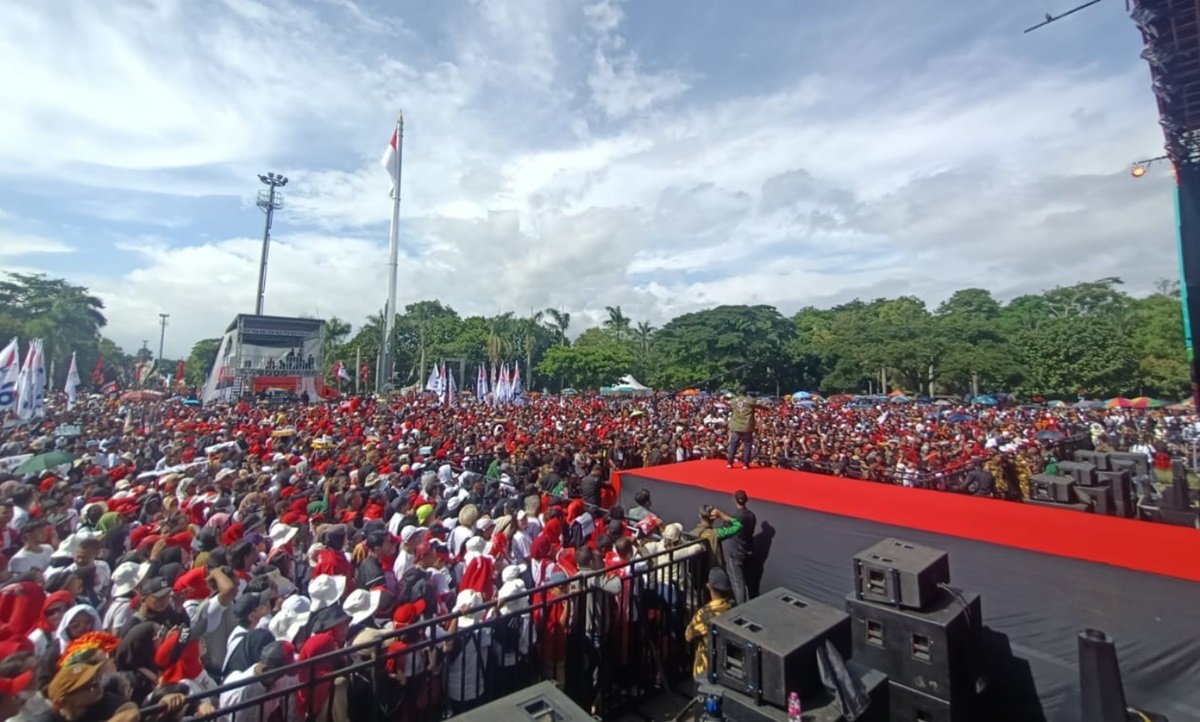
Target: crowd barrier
x=607, y=638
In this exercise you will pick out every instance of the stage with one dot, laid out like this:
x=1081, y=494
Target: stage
x=1044, y=574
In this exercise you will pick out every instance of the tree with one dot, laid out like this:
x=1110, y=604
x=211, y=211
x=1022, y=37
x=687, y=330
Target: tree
x=587, y=367
x=558, y=321
x=617, y=322
x=199, y=363
x=64, y=315
x=643, y=334
x=724, y=345
x=1157, y=335
x=1063, y=355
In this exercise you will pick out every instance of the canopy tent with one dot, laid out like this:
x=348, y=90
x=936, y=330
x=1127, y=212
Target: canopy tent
x=627, y=386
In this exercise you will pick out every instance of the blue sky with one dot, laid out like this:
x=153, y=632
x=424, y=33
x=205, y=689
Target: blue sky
x=661, y=155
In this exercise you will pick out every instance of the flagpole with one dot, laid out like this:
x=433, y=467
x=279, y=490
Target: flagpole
x=358, y=366
x=382, y=383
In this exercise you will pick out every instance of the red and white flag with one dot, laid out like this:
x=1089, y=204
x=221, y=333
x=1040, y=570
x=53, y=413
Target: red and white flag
x=391, y=159
x=340, y=372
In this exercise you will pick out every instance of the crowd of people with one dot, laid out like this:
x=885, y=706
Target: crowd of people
x=179, y=547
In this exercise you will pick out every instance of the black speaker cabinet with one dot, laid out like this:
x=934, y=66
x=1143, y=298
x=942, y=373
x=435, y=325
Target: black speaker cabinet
x=1044, y=487
x=900, y=573
x=936, y=651
x=1137, y=464
x=1084, y=474
x=911, y=705
x=540, y=703
x=1074, y=506
x=1124, y=502
x=1098, y=459
x=1180, y=517
x=818, y=706
x=766, y=648
x=1099, y=497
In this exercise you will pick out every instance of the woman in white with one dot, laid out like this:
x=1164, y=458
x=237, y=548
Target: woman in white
x=466, y=655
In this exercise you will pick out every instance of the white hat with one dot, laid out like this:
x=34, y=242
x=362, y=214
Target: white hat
x=371, y=479
x=314, y=551
x=509, y=594
x=222, y=474
x=476, y=544
x=282, y=534
x=511, y=572
x=672, y=532
x=103, y=506
x=485, y=522
x=468, y=599
x=326, y=590
x=123, y=485
x=291, y=618
x=127, y=576
x=361, y=604
x=407, y=533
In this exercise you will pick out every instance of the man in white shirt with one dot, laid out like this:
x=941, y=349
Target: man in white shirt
x=35, y=552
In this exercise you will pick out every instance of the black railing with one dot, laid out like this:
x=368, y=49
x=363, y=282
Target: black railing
x=607, y=638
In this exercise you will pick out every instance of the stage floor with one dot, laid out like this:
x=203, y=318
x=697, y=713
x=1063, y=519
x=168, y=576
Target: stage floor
x=1171, y=551
x=1044, y=574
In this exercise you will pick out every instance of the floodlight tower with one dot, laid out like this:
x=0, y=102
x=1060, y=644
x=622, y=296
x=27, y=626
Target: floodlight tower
x=270, y=201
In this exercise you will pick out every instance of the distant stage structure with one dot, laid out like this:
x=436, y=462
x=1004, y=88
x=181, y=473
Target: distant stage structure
x=258, y=353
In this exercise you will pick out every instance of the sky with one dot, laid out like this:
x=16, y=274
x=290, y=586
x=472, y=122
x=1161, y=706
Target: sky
x=660, y=155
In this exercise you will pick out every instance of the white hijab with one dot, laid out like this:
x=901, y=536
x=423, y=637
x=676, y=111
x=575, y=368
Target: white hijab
x=61, y=632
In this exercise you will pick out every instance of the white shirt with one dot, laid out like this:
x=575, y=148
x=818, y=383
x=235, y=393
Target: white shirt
x=26, y=561
x=404, y=562
x=521, y=544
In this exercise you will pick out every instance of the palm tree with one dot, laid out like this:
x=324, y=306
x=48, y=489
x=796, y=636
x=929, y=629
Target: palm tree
x=336, y=331
x=617, y=322
x=643, y=333
x=558, y=323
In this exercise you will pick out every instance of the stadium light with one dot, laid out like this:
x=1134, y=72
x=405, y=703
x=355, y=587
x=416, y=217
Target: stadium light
x=1141, y=167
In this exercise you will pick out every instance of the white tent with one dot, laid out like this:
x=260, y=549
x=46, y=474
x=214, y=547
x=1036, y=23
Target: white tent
x=629, y=382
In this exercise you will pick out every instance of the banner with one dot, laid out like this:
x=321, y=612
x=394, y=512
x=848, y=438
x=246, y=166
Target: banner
x=10, y=372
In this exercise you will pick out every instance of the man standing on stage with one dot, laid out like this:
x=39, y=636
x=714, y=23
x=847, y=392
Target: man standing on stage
x=741, y=426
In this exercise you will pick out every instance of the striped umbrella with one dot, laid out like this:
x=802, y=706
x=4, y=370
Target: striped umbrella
x=1118, y=403
x=1145, y=402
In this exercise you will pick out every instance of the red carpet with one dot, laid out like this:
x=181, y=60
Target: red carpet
x=1142, y=546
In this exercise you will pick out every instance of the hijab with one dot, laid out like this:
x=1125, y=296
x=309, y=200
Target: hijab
x=61, y=634
x=137, y=648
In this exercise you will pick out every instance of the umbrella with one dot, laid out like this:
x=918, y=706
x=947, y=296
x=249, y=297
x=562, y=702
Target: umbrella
x=805, y=404
x=959, y=418
x=840, y=398
x=1145, y=402
x=801, y=395
x=897, y=393
x=43, y=462
x=985, y=400
x=1049, y=435
x=943, y=402
x=1057, y=404
x=901, y=399
x=141, y=395
x=1119, y=402
x=569, y=392
x=1088, y=404
x=192, y=402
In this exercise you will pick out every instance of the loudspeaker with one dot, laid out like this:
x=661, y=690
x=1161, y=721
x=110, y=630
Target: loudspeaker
x=1180, y=517
x=1102, y=695
x=909, y=705
x=540, y=703
x=900, y=573
x=1084, y=474
x=1099, y=459
x=1124, y=503
x=936, y=651
x=766, y=648
x=1075, y=506
x=1099, y=497
x=818, y=706
x=1044, y=487
x=1177, y=495
x=1137, y=464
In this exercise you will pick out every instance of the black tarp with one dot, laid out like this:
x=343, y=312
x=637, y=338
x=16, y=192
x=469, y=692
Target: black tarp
x=1034, y=604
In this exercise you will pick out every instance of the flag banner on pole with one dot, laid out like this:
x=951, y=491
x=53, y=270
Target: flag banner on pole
x=390, y=159
x=25, y=385
x=515, y=393
x=179, y=370
x=451, y=389
x=73, y=382
x=10, y=373
x=365, y=372
x=434, y=379
x=98, y=372
x=40, y=380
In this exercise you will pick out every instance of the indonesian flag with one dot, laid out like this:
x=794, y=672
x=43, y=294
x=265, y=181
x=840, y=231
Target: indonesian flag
x=73, y=382
x=391, y=159
x=98, y=372
x=179, y=371
x=364, y=372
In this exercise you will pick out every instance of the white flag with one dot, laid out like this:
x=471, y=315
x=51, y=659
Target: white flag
x=39, y=380
x=391, y=160
x=72, y=382
x=10, y=372
x=451, y=389
x=25, y=385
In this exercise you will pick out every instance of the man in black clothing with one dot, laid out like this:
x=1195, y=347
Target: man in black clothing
x=739, y=549
x=981, y=482
x=370, y=572
x=589, y=487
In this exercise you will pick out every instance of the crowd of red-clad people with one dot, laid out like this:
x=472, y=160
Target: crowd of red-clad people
x=176, y=548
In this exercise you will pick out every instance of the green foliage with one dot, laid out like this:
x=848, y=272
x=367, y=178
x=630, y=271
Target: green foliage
x=589, y=366
x=724, y=345
x=199, y=363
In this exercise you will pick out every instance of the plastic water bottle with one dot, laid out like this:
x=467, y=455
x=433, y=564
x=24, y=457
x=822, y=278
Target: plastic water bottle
x=794, y=707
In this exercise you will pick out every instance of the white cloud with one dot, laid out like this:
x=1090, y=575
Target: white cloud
x=554, y=158
x=14, y=244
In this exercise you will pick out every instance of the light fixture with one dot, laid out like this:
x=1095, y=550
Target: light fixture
x=1141, y=167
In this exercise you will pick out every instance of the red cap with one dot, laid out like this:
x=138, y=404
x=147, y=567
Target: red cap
x=193, y=583
x=181, y=539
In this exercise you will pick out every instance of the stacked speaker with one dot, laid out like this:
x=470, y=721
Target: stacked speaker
x=1095, y=482
x=1175, y=506
x=907, y=621
x=762, y=651
x=541, y=702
